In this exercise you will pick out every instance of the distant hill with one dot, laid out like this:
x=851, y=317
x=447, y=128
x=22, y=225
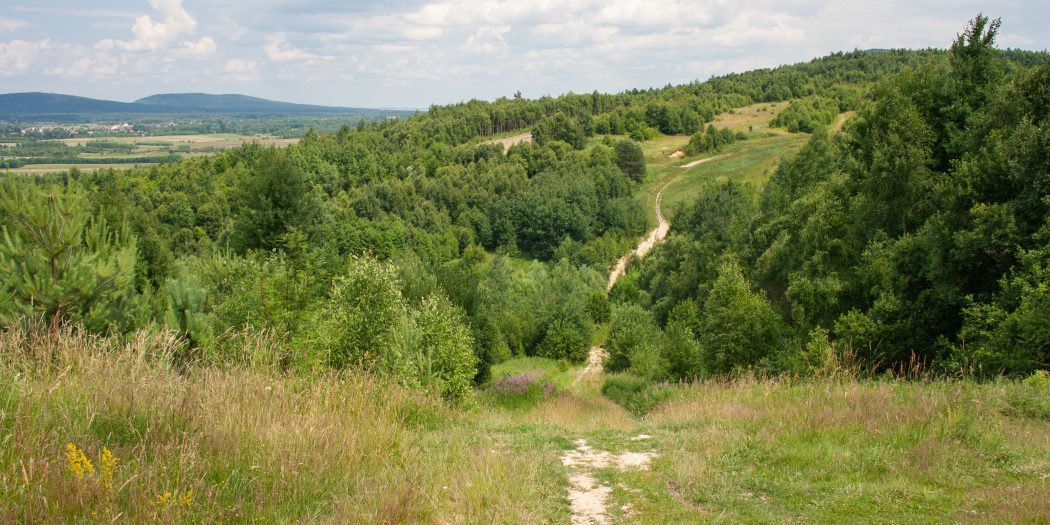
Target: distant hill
x=57, y=107
x=42, y=105
x=239, y=104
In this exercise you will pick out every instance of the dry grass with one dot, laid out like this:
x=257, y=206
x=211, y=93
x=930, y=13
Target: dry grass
x=242, y=445
x=755, y=117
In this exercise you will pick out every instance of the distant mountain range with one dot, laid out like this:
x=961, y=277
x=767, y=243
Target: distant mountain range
x=51, y=106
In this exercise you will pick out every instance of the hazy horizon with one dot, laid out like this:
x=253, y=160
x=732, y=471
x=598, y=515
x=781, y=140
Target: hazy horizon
x=411, y=54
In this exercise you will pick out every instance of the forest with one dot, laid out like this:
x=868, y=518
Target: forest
x=416, y=274
x=915, y=239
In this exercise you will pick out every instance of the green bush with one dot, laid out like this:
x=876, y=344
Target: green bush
x=359, y=324
x=738, y=327
x=1031, y=398
x=632, y=330
x=637, y=394
x=443, y=350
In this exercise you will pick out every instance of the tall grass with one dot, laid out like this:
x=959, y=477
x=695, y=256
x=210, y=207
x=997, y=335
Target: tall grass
x=238, y=444
x=855, y=450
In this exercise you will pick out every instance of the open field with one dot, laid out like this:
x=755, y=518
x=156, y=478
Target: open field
x=33, y=169
x=749, y=162
x=217, y=141
x=136, y=150
x=755, y=117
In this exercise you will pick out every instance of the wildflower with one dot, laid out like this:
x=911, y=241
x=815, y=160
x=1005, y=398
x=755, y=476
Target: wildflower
x=187, y=499
x=108, y=462
x=79, y=464
x=162, y=500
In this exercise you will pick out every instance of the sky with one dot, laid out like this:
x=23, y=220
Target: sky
x=411, y=54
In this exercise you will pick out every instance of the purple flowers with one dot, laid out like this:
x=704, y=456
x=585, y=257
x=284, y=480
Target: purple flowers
x=521, y=389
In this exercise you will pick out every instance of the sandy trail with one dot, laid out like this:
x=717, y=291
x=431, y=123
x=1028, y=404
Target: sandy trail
x=655, y=236
x=594, y=363
x=587, y=496
x=701, y=161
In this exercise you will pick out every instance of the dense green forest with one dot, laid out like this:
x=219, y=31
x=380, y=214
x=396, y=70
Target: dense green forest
x=916, y=239
x=413, y=249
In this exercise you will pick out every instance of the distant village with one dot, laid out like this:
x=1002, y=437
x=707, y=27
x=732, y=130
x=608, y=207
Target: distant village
x=95, y=128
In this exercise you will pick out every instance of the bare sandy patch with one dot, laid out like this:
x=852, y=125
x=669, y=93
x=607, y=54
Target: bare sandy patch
x=587, y=497
x=507, y=142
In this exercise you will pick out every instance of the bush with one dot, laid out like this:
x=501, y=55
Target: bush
x=360, y=322
x=637, y=394
x=807, y=114
x=739, y=327
x=632, y=330
x=1031, y=398
x=443, y=350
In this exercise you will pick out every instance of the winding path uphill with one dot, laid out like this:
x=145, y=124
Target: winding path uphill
x=655, y=236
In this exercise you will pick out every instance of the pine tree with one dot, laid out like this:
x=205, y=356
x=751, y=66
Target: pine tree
x=61, y=263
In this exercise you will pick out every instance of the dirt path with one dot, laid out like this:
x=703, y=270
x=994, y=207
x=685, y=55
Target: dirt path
x=701, y=161
x=589, y=497
x=594, y=364
x=656, y=235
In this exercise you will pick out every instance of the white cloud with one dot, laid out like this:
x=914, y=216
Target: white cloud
x=150, y=34
x=487, y=40
x=279, y=50
x=17, y=55
x=753, y=27
x=12, y=24
x=97, y=65
x=241, y=70
x=205, y=47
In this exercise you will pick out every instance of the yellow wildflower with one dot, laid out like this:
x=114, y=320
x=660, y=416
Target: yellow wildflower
x=187, y=499
x=79, y=464
x=162, y=500
x=108, y=463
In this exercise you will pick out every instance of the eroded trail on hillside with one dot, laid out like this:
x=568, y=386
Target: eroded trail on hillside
x=588, y=496
x=657, y=234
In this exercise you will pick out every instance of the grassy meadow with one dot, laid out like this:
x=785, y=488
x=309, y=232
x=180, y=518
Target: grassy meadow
x=100, y=430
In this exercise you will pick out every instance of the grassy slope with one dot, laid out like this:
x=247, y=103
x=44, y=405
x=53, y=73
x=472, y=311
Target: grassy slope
x=751, y=161
x=252, y=446
x=847, y=451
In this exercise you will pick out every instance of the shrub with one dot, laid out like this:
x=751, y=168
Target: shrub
x=739, y=327
x=637, y=394
x=632, y=328
x=1031, y=398
x=60, y=262
x=444, y=350
x=359, y=323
